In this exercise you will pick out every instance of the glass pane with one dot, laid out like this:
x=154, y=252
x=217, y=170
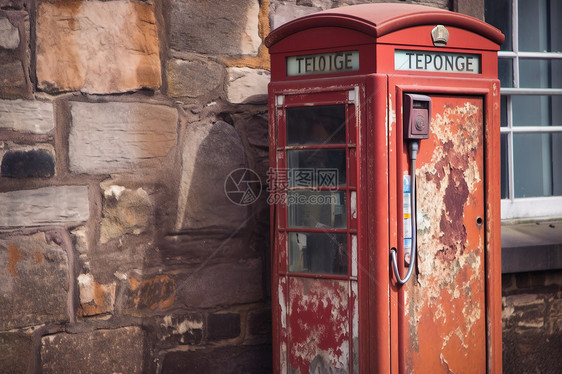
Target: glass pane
x=318, y=253
x=503, y=118
x=498, y=14
x=533, y=25
x=316, y=125
x=532, y=165
x=556, y=110
x=531, y=110
x=316, y=168
x=540, y=73
x=317, y=209
x=557, y=164
x=555, y=13
x=505, y=72
x=504, y=168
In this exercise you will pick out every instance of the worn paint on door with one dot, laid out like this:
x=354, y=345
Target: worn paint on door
x=443, y=317
x=319, y=325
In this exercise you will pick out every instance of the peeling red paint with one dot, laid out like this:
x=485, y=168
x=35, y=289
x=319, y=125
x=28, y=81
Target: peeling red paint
x=319, y=325
x=445, y=306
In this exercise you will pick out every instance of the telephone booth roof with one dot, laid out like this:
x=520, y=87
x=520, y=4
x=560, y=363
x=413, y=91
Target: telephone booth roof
x=378, y=20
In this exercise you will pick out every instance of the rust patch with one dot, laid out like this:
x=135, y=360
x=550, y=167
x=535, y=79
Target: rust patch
x=95, y=298
x=445, y=307
x=154, y=293
x=14, y=256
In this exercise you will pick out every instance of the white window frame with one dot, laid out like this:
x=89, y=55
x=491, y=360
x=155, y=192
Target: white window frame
x=535, y=208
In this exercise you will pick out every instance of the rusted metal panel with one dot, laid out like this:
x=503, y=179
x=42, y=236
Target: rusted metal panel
x=319, y=327
x=444, y=323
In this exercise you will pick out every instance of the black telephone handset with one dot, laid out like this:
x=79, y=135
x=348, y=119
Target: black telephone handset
x=416, y=114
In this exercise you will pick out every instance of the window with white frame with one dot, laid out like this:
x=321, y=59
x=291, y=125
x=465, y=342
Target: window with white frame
x=530, y=71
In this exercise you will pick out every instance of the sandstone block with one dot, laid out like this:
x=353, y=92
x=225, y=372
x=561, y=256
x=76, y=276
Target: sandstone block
x=101, y=351
x=247, y=85
x=120, y=137
x=224, y=284
x=33, y=281
x=194, y=249
x=34, y=117
x=15, y=4
x=254, y=131
x=95, y=298
x=15, y=353
x=34, y=163
x=44, y=206
x=194, y=78
x=282, y=13
x=124, y=211
x=97, y=47
x=211, y=152
x=215, y=27
x=13, y=80
x=9, y=34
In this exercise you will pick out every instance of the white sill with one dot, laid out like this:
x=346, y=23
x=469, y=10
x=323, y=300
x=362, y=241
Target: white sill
x=532, y=209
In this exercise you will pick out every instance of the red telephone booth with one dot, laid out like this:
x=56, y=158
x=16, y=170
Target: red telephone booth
x=385, y=192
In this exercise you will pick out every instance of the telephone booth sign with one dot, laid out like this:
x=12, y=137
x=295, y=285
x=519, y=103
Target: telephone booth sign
x=385, y=192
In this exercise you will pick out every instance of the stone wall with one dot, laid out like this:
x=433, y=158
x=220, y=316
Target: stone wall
x=120, y=122
x=532, y=322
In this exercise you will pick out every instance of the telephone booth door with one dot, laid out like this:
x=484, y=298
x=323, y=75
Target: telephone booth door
x=440, y=315
x=316, y=195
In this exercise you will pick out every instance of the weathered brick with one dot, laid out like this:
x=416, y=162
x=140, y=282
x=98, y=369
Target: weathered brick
x=13, y=79
x=149, y=295
x=223, y=326
x=180, y=329
x=120, y=137
x=15, y=353
x=531, y=352
x=100, y=351
x=226, y=360
x=215, y=27
x=35, y=163
x=44, y=206
x=125, y=211
x=33, y=281
x=259, y=322
x=95, y=298
x=27, y=116
x=224, y=284
x=97, y=46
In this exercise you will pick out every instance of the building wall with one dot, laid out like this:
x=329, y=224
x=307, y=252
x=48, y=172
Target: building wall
x=119, y=123
x=532, y=322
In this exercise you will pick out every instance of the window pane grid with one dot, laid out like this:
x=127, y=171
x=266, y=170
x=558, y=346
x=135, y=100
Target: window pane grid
x=538, y=115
